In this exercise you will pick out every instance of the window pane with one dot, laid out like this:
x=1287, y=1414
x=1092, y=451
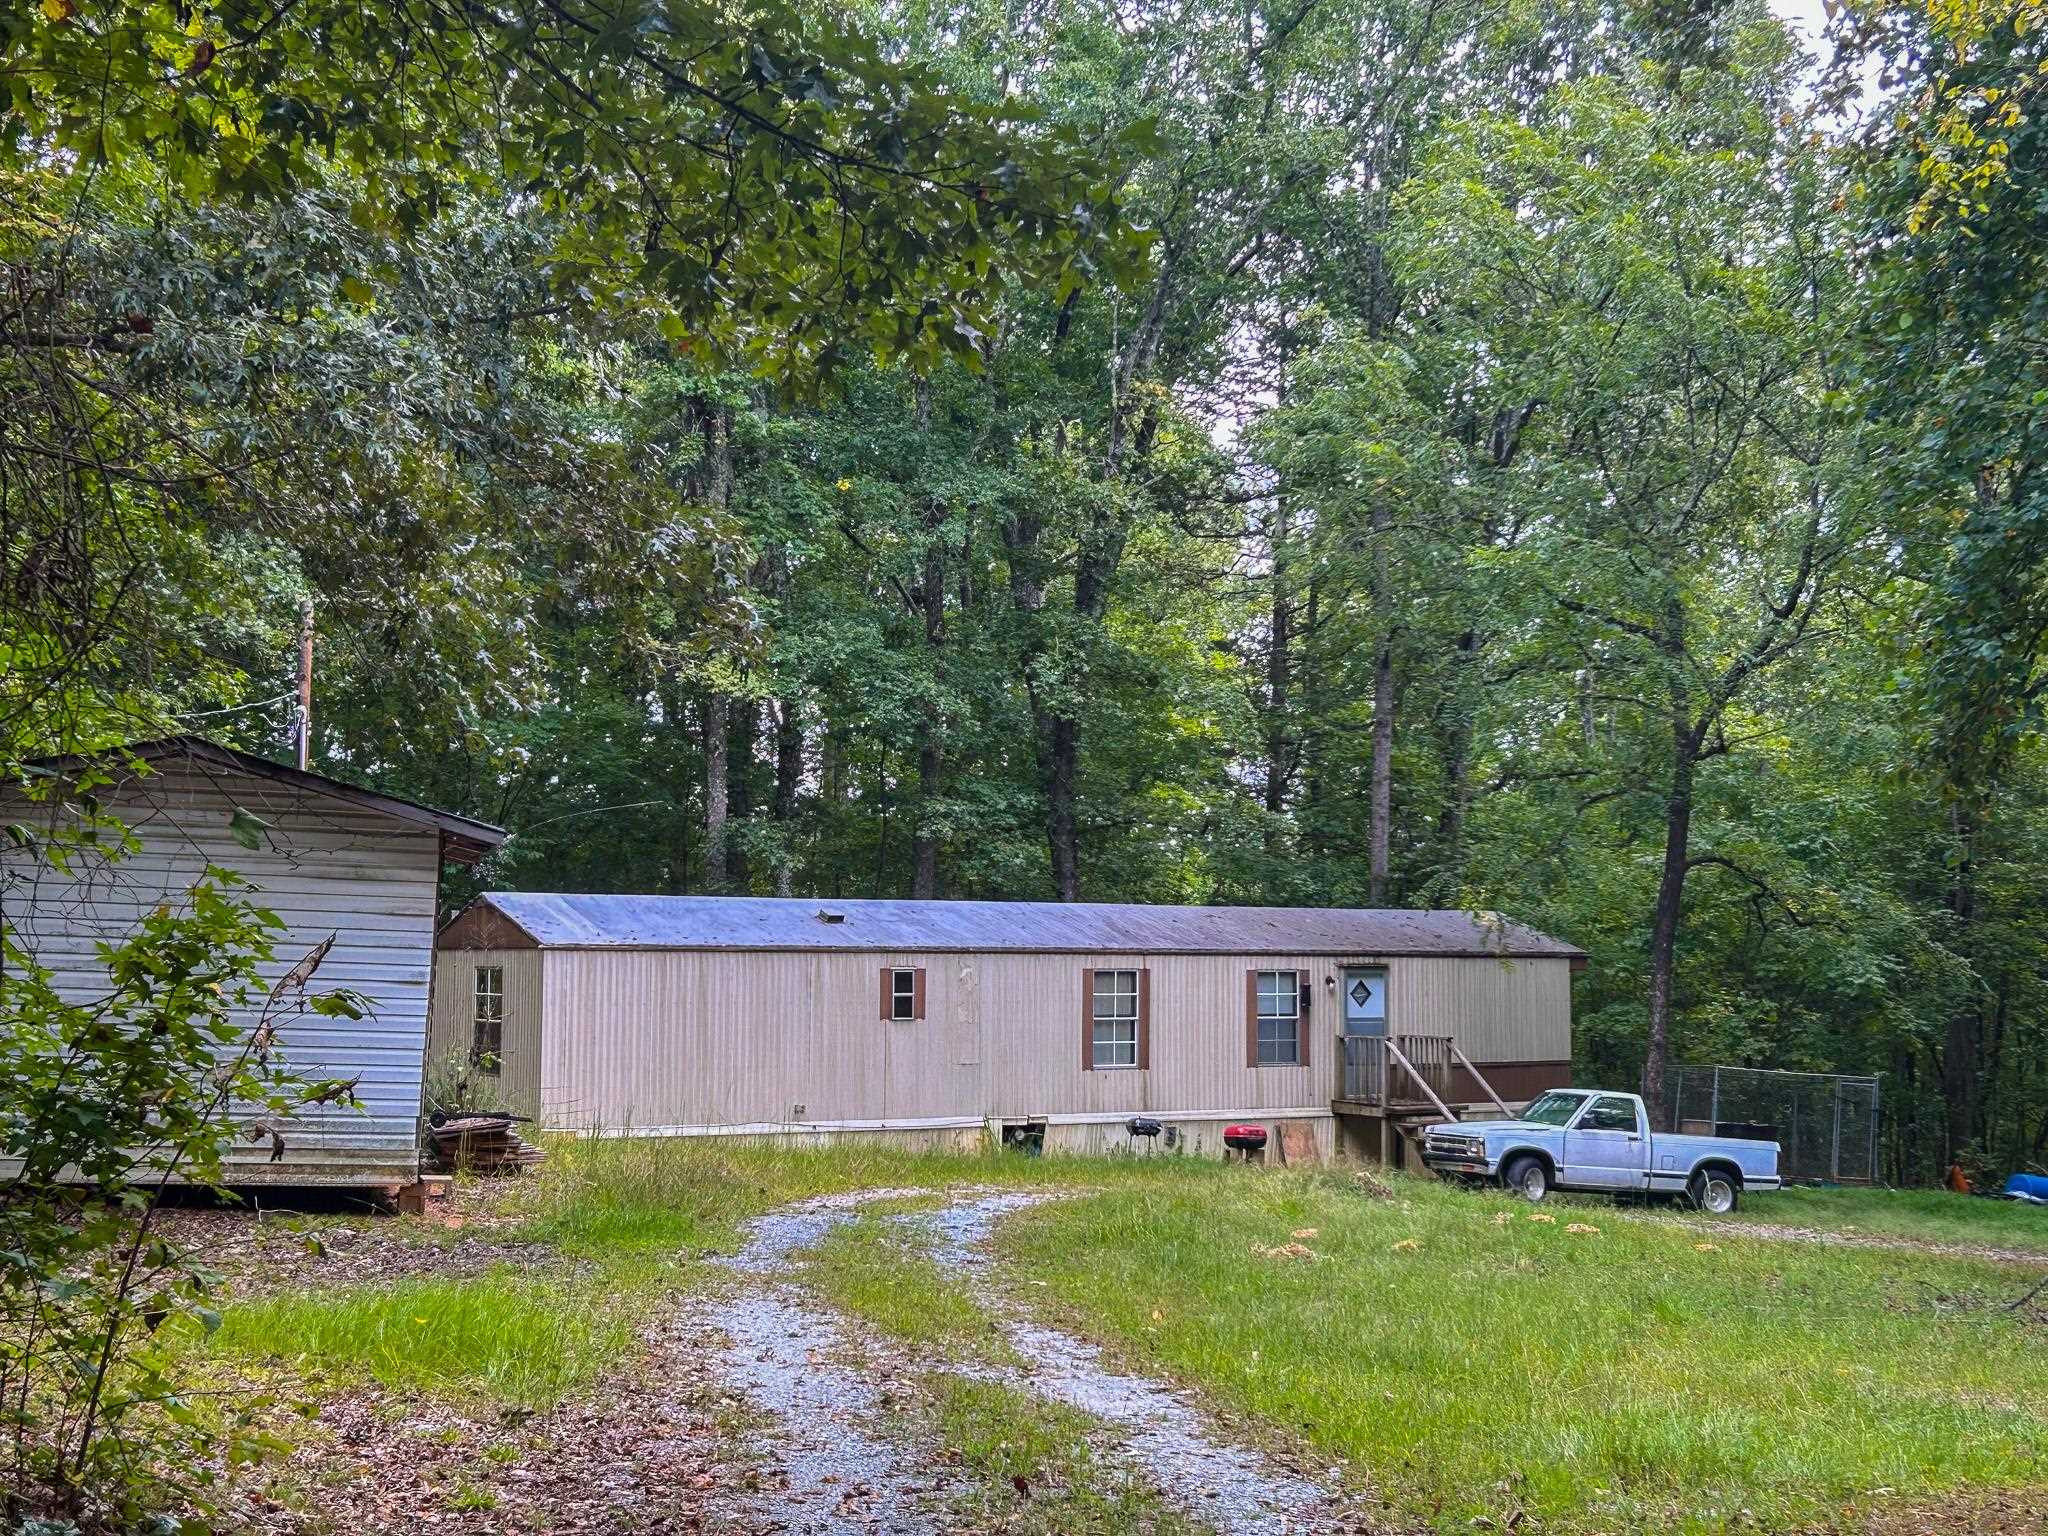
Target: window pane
x=1366, y=995
x=1116, y=994
x=1116, y=1043
x=1610, y=1115
x=1279, y=1043
x=1278, y=996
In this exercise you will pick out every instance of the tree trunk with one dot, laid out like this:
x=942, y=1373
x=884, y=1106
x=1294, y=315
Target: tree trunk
x=1458, y=765
x=1664, y=924
x=716, y=800
x=1062, y=817
x=1380, y=833
x=1686, y=736
x=1279, y=686
x=789, y=767
x=832, y=795
x=745, y=731
x=1962, y=1045
x=931, y=740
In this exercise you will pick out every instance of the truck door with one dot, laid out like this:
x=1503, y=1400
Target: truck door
x=1604, y=1147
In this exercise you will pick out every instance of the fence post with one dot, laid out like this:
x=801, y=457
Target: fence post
x=1835, y=1150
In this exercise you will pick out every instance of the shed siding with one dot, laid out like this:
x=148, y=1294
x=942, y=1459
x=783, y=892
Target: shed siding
x=452, y=1029
x=703, y=1039
x=324, y=867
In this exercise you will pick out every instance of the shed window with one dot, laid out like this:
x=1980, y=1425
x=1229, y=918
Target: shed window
x=902, y=993
x=1277, y=1042
x=487, y=1043
x=1115, y=1020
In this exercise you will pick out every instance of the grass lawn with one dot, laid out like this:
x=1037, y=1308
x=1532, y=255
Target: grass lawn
x=525, y=1342
x=1462, y=1358
x=1926, y=1215
x=1475, y=1361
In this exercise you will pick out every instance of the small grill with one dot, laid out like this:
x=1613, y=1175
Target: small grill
x=1245, y=1138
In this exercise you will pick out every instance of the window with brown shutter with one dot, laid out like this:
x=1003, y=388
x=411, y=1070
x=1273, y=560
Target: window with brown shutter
x=902, y=993
x=1116, y=1017
x=1273, y=1019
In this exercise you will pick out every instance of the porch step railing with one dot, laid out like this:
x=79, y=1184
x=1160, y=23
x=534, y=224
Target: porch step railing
x=1407, y=1069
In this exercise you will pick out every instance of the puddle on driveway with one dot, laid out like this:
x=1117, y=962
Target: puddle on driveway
x=836, y=1476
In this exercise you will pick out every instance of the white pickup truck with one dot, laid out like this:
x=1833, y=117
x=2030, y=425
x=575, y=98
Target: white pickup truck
x=1601, y=1143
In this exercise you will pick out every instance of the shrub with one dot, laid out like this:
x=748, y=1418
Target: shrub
x=104, y=1102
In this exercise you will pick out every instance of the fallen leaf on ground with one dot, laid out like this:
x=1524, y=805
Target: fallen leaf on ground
x=1408, y=1245
x=1583, y=1226
x=1502, y=1218
x=1284, y=1251
x=1707, y=1247
x=1305, y=1232
x=1539, y=1216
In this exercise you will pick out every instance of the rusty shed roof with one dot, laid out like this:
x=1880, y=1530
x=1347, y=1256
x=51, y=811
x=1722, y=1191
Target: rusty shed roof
x=753, y=922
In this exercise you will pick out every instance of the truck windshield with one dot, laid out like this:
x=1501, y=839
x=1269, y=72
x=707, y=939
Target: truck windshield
x=1554, y=1108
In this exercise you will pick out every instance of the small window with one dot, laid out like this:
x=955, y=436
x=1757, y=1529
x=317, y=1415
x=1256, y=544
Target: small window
x=487, y=1043
x=1279, y=1042
x=1610, y=1115
x=1115, y=1020
x=903, y=994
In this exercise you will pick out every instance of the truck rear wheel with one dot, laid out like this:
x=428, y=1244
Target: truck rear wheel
x=1715, y=1191
x=1527, y=1177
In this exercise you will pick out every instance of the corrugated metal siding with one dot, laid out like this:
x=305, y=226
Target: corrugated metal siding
x=452, y=1030
x=691, y=1038
x=1513, y=1010
x=324, y=867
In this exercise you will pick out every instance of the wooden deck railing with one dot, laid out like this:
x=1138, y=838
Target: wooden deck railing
x=1399, y=1069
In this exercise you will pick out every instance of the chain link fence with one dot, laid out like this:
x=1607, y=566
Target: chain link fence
x=1825, y=1123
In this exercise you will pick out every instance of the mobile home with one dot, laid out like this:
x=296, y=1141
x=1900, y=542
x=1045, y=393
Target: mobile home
x=687, y=1015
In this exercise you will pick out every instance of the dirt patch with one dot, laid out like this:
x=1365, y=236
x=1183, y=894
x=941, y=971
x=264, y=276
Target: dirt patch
x=1780, y=1233
x=258, y=1255
x=645, y=1454
x=1978, y=1512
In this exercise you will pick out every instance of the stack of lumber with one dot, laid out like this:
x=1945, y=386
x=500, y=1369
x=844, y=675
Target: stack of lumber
x=483, y=1144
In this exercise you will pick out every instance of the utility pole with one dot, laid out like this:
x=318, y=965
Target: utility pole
x=305, y=680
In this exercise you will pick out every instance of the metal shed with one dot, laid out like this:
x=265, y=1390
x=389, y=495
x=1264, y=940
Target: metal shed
x=332, y=859
x=691, y=1015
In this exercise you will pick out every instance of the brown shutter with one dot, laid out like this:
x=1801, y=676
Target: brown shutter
x=1087, y=1021
x=888, y=990
x=1144, y=1020
x=918, y=987
x=1251, y=1018
x=1302, y=1033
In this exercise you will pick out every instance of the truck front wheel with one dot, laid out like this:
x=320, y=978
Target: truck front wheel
x=1527, y=1177
x=1715, y=1191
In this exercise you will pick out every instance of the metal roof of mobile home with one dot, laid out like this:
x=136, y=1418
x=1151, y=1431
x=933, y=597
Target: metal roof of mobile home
x=772, y=923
